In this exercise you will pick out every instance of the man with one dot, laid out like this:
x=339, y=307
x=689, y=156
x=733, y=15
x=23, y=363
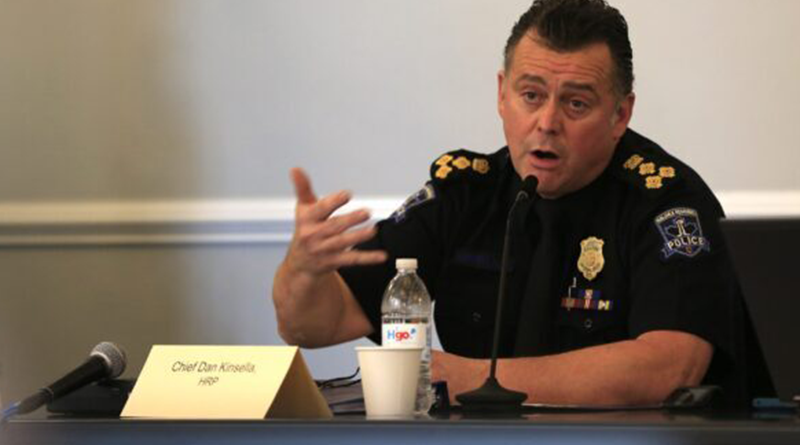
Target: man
x=620, y=289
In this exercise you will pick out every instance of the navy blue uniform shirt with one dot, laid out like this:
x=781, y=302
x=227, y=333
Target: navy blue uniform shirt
x=637, y=250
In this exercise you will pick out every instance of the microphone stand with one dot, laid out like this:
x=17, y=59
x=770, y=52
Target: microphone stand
x=492, y=398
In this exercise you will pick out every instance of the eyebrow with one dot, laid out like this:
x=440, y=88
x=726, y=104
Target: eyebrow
x=589, y=88
x=570, y=85
x=529, y=78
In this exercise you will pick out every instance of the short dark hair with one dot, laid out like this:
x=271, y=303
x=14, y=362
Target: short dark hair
x=569, y=25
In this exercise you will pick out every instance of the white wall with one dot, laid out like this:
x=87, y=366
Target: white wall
x=112, y=99
x=144, y=145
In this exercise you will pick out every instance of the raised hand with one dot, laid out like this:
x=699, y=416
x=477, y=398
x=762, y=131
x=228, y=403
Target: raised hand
x=322, y=243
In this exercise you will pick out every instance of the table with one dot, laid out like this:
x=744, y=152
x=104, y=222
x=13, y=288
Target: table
x=652, y=428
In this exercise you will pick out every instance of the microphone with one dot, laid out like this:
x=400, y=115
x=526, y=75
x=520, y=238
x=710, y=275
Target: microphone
x=527, y=191
x=492, y=397
x=106, y=360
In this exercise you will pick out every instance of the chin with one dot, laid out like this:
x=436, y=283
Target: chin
x=547, y=194
x=547, y=190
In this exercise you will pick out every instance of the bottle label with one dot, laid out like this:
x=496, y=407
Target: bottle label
x=404, y=335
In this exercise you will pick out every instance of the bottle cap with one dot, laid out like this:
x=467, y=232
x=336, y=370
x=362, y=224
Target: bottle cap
x=406, y=263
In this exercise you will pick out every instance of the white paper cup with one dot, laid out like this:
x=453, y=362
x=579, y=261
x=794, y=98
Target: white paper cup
x=389, y=377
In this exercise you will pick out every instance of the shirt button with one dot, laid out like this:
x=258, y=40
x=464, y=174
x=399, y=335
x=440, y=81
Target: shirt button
x=587, y=324
x=476, y=317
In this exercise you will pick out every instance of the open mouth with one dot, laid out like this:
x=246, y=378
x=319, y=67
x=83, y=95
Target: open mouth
x=544, y=155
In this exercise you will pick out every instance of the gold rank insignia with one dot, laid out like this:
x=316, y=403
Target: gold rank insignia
x=647, y=169
x=461, y=163
x=444, y=160
x=591, y=261
x=654, y=182
x=633, y=162
x=666, y=172
x=443, y=172
x=480, y=165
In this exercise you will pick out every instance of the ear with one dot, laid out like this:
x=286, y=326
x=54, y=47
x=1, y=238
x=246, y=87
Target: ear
x=622, y=115
x=501, y=92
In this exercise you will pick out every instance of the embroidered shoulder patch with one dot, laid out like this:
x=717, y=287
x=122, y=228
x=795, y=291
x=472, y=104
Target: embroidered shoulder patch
x=424, y=195
x=680, y=228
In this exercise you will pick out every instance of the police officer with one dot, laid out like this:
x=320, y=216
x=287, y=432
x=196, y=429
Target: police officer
x=620, y=288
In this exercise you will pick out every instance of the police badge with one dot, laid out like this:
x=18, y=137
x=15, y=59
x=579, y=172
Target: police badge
x=591, y=261
x=680, y=228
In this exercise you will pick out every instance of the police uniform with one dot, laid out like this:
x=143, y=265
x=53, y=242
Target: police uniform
x=637, y=250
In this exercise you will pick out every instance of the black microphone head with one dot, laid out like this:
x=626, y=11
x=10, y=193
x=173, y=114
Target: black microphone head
x=528, y=188
x=113, y=355
x=529, y=185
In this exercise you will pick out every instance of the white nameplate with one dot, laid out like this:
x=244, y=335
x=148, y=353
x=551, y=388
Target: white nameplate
x=225, y=382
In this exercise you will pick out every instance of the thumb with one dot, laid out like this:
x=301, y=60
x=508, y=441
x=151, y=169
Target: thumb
x=302, y=186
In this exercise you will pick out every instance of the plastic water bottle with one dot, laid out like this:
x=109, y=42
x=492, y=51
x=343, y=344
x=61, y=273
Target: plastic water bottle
x=405, y=320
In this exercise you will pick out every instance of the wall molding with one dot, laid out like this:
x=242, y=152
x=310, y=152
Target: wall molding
x=119, y=223
x=234, y=221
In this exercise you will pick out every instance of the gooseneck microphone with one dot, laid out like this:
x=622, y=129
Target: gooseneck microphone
x=492, y=397
x=106, y=360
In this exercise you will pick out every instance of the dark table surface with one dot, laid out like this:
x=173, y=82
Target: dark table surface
x=621, y=427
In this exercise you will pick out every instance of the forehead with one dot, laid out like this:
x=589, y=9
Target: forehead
x=590, y=64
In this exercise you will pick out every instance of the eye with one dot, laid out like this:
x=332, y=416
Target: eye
x=578, y=105
x=532, y=97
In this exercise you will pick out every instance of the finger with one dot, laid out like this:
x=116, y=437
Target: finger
x=338, y=224
x=359, y=258
x=325, y=207
x=302, y=186
x=345, y=241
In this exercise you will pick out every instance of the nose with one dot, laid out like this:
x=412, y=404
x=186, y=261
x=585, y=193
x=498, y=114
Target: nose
x=549, y=121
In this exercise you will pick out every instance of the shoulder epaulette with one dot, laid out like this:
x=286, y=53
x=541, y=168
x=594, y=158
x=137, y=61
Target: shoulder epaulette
x=648, y=171
x=461, y=163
